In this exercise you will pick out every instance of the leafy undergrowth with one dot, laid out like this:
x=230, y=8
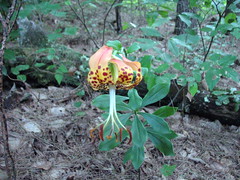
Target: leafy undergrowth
x=50, y=142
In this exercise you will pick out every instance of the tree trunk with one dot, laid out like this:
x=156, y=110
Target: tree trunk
x=180, y=26
x=118, y=17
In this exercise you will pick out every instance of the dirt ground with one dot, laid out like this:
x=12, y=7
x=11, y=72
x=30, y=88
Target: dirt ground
x=50, y=142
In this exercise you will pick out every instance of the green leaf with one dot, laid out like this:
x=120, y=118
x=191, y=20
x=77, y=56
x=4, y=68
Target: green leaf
x=4, y=71
x=146, y=61
x=77, y=104
x=54, y=36
x=38, y=65
x=179, y=67
x=151, y=17
x=231, y=73
x=212, y=78
x=59, y=13
x=185, y=19
x=62, y=69
x=134, y=47
x=80, y=113
x=121, y=106
x=230, y=18
x=236, y=33
x=173, y=47
x=59, y=77
x=70, y=31
x=135, y=101
x=139, y=133
x=15, y=71
x=22, y=67
x=165, y=111
x=137, y=156
x=146, y=44
x=159, y=125
x=150, y=32
x=167, y=170
x=117, y=45
x=193, y=89
x=22, y=77
x=162, y=143
x=9, y=54
x=163, y=13
x=156, y=93
x=162, y=68
x=109, y=144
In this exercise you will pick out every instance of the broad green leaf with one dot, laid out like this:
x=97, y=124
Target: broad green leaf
x=22, y=67
x=78, y=104
x=109, y=144
x=236, y=33
x=230, y=18
x=179, y=67
x=137, y=156
x=167, y=170
x=162, y=143
x=134, y=47
x=159, y=125
x=146, y=44
x=62, y=69
x=150, y=80
x=151, y=17
x=39, y=65
x=163, y=13
x=217, y=93
x=193, y=89
x=156, y=93
x=172, y=46
x=165, y=111
x=59, y=13
x=9, y=54
x=135, y=101
x=151, y=32
x=70, y=31
x=15, y=71
x=231, y=73
x=4, y=71
x=121, y=106
x=117, y=45
x=139, y=133
x=146, y=61
x=212, y=78
x=185, y=19
x=162, y=68
x=59, y=77
x=22, y=77
x=54, y=36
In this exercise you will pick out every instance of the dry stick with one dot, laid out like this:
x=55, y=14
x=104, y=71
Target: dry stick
x=6, y=28
x=85, y=26
x=104, y=21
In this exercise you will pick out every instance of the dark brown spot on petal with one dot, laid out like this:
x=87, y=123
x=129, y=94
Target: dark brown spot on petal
x=105, y=74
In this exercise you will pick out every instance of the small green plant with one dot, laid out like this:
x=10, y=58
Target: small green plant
x=135, y=125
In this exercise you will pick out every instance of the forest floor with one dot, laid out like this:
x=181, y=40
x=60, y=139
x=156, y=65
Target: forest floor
x=49, y=142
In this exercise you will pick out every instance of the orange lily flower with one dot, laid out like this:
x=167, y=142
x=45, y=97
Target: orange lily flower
x=110, y=72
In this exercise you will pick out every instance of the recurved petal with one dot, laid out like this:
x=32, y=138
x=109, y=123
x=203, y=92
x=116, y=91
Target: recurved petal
x=101, y=57
x=136, y=66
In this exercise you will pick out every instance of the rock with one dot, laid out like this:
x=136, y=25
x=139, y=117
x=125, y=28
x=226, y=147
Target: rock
x=57, y=124
x=58, y=111
x=14, y=143
x=214, y=126
x=31, y=34
x=31, y=126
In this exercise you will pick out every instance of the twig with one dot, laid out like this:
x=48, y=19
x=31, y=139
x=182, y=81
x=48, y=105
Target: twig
x=218, y=22
x=104, y=21
x=85, y=26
